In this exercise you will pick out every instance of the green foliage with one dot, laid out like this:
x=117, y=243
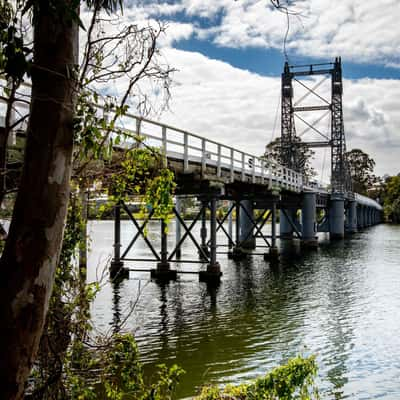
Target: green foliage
x=14, y=55
x=294, y=380
x=113, y=371
x=159, y=194
x=302, y=153
x=129, y=166
x=391, y=199
x=361, y=167
x=72, y=362
x=94, y=134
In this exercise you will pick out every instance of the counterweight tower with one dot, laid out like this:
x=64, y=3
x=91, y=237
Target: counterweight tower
x=290, y=142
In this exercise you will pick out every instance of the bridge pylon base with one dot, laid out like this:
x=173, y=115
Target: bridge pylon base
x=163, y=273
x=212, y=274
x=272, y=255
x=309, y=244
x=237, y=254
x=117, y=270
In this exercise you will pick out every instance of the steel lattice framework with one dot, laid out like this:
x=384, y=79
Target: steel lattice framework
x=290, y=142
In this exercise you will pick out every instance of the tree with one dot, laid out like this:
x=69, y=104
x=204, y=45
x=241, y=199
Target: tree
x=64, y=110
x=391, y=198
x=361, y=167
x=33, y=245
x=304, y=153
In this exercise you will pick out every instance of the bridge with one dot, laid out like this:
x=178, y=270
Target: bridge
x=254, y=189
x=250, y=184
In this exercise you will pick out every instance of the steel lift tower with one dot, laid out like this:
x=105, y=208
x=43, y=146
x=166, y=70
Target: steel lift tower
x=290, y=141
x=342, y=197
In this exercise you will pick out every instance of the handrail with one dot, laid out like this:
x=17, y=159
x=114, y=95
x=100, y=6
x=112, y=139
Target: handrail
x=364, y=200
x=234, y=162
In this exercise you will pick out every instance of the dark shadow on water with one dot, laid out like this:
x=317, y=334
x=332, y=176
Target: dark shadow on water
x=116, y=300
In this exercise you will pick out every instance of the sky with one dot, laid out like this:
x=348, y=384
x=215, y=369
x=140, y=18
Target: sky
x=229, y=57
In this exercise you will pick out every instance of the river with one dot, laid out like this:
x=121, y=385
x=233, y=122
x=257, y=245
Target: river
x=341, y=303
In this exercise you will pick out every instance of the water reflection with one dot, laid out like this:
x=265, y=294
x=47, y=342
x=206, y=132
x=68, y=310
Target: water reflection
x=116, y=323
x=336, y=302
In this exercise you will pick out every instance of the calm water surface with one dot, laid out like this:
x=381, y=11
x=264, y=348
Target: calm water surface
x=341, y=303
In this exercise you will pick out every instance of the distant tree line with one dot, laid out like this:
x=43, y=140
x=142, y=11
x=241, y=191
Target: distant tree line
x=385, y=189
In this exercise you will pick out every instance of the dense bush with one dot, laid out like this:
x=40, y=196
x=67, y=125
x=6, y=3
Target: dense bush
x=294, y=380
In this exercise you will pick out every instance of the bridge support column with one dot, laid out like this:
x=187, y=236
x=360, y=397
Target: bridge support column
x=203, y=230
x=273, y=253
x=163, y=271
x=285, y=227
x=230, y=226
x=178, y=233
x=213, y=272
x=352, y=217
x=360, y=220
x=117, y=269
x=336, y=217
x=367, y=217
x=309, y=237
x=237, y=253
x=247, y=239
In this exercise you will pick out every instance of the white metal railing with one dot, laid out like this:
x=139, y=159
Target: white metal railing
x=228, y=162
x=193, y=149
x=366, y=201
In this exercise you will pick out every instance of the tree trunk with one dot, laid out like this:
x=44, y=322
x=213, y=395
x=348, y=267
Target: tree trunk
x=3, y=172
x=32, y=249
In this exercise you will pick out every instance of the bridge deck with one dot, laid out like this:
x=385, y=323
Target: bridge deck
x=191, y=153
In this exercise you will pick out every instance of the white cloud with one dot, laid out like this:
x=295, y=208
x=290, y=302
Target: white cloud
x=175, y=32
x=238, y=108
x=358, y=30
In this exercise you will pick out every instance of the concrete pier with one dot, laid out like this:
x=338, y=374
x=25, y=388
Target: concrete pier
x=237, y=252
x=351, y=217
x=163, y=270
x=273, y=252
x=309, y=237
x=360, y=217
x=336, y=217
x=285, y=227
x=247, y=239
x=213, y=272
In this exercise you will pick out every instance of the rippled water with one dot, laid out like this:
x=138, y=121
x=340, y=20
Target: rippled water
x=341, y=303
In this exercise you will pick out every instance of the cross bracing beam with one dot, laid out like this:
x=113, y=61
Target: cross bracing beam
x=316, y=144
x=312, y=90
x=311, y=108
x=312, y=72
x=311, y=126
